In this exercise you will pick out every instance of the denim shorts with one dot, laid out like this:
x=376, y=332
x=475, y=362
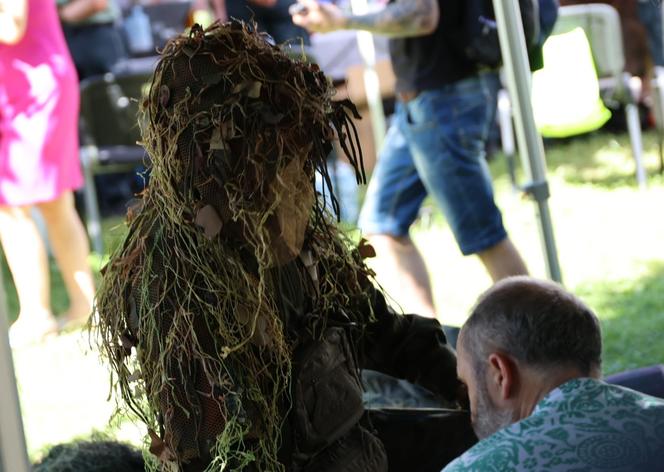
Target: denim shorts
x=435, y=146
x=650, y=15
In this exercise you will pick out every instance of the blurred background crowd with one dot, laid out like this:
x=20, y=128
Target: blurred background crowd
x=122, y=36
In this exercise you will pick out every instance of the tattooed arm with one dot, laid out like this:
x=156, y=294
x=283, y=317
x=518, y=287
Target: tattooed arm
x=398, y=19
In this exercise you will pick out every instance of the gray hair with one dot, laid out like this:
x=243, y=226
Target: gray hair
x=536, y=322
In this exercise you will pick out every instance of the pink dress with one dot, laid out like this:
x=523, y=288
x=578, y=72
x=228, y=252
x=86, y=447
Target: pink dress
x=39, y=99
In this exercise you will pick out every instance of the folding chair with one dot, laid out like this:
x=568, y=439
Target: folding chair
x=601, y=25
x=579, y=109
x=648, y=380
x=109, y=125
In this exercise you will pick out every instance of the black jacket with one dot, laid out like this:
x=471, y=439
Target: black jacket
x=327, y=429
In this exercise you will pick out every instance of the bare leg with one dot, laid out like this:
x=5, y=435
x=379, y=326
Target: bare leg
x=71, y=249
x=28, y=262
x=503, y=260
x=401, y=271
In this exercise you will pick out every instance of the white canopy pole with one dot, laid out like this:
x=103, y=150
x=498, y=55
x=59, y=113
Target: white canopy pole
x=517, y=73
x=13, y=454
x=367, y=50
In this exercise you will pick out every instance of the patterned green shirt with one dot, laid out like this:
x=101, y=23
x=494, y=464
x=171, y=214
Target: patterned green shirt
x=583, y=425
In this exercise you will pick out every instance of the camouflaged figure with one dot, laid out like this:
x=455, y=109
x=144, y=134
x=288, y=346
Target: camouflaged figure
x=235, y=315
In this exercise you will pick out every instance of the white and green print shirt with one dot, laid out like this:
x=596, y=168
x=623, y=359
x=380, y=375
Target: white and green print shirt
x=583, y=425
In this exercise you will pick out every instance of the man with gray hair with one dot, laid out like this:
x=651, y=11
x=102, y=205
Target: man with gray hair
x=530, y=357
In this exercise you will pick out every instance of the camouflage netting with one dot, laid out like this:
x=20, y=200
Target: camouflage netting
x=189, y=310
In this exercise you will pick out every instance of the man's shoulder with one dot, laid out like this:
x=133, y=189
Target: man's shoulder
x=570, y=428
x=595, y=398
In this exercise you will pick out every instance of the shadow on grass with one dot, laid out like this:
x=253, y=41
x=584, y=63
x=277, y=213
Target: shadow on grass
x=632, y=314
x=600, y=159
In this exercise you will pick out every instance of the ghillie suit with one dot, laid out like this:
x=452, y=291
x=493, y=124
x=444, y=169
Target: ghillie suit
x=234, y=315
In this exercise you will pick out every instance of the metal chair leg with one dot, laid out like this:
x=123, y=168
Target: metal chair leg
x=634, y=128
x=633, y=85
x=93, y=220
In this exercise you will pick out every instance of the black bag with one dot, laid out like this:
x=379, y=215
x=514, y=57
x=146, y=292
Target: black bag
x=357, y=451
x=422, y=439
x=480, y=33
x=327, y=392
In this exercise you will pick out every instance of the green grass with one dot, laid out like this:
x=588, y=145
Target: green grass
x=632, y=314
x=610, y=237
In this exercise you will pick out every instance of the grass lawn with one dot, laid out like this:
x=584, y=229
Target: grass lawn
x=610, y=238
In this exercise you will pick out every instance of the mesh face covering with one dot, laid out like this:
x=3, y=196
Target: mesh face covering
x=189, y=311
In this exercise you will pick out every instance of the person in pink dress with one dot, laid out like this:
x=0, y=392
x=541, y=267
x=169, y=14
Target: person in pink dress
x=39, y=166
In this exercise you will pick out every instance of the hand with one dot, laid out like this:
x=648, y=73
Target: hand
x=318, y=17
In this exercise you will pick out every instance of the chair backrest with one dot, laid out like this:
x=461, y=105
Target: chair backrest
x=566, y=97
x=109, y=108
x=601, y=23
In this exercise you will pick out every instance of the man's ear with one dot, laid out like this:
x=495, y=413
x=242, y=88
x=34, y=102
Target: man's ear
x=502, y=376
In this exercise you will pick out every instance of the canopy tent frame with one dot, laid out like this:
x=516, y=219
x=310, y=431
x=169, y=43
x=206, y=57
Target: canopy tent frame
x=13, y=451
x=518, y=78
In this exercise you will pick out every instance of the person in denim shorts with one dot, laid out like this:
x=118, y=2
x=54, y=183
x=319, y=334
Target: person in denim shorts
x=434, y=146
x=650, y=15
